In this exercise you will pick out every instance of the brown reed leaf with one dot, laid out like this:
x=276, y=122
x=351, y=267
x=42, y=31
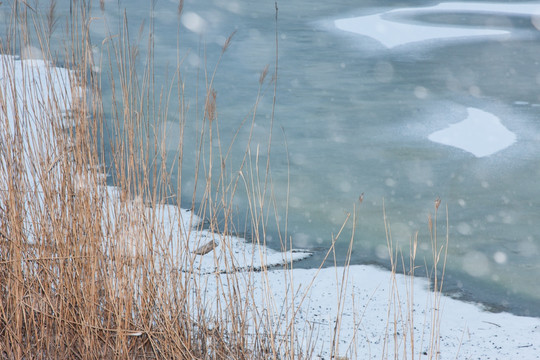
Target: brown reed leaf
x=180, y=7
x=228, y=41
x=263, y=74
x=211, y=112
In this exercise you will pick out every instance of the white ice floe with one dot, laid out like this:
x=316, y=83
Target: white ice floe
x=400, y=26
x=481, y=133
x=362, y=305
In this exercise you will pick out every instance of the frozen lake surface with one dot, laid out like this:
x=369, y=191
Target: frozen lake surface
x=402, y=104
x=363, y=323
x=436, y=101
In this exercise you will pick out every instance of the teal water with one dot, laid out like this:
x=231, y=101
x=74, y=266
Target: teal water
x=353, y=116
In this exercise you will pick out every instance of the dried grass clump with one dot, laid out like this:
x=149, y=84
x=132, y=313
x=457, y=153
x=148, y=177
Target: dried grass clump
x=94, y=272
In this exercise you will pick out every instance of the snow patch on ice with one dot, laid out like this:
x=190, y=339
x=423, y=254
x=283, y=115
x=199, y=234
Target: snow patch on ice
x=481, y=133
x=399, y=27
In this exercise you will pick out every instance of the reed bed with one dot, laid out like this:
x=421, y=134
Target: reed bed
x=96, y=258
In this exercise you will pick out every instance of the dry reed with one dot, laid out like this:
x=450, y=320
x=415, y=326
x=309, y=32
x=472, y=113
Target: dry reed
x=92, y=272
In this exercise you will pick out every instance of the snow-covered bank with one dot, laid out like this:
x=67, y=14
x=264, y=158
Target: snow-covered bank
x=210, y=253
x=366, y=325
x=362, y=306
x=374, y=311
